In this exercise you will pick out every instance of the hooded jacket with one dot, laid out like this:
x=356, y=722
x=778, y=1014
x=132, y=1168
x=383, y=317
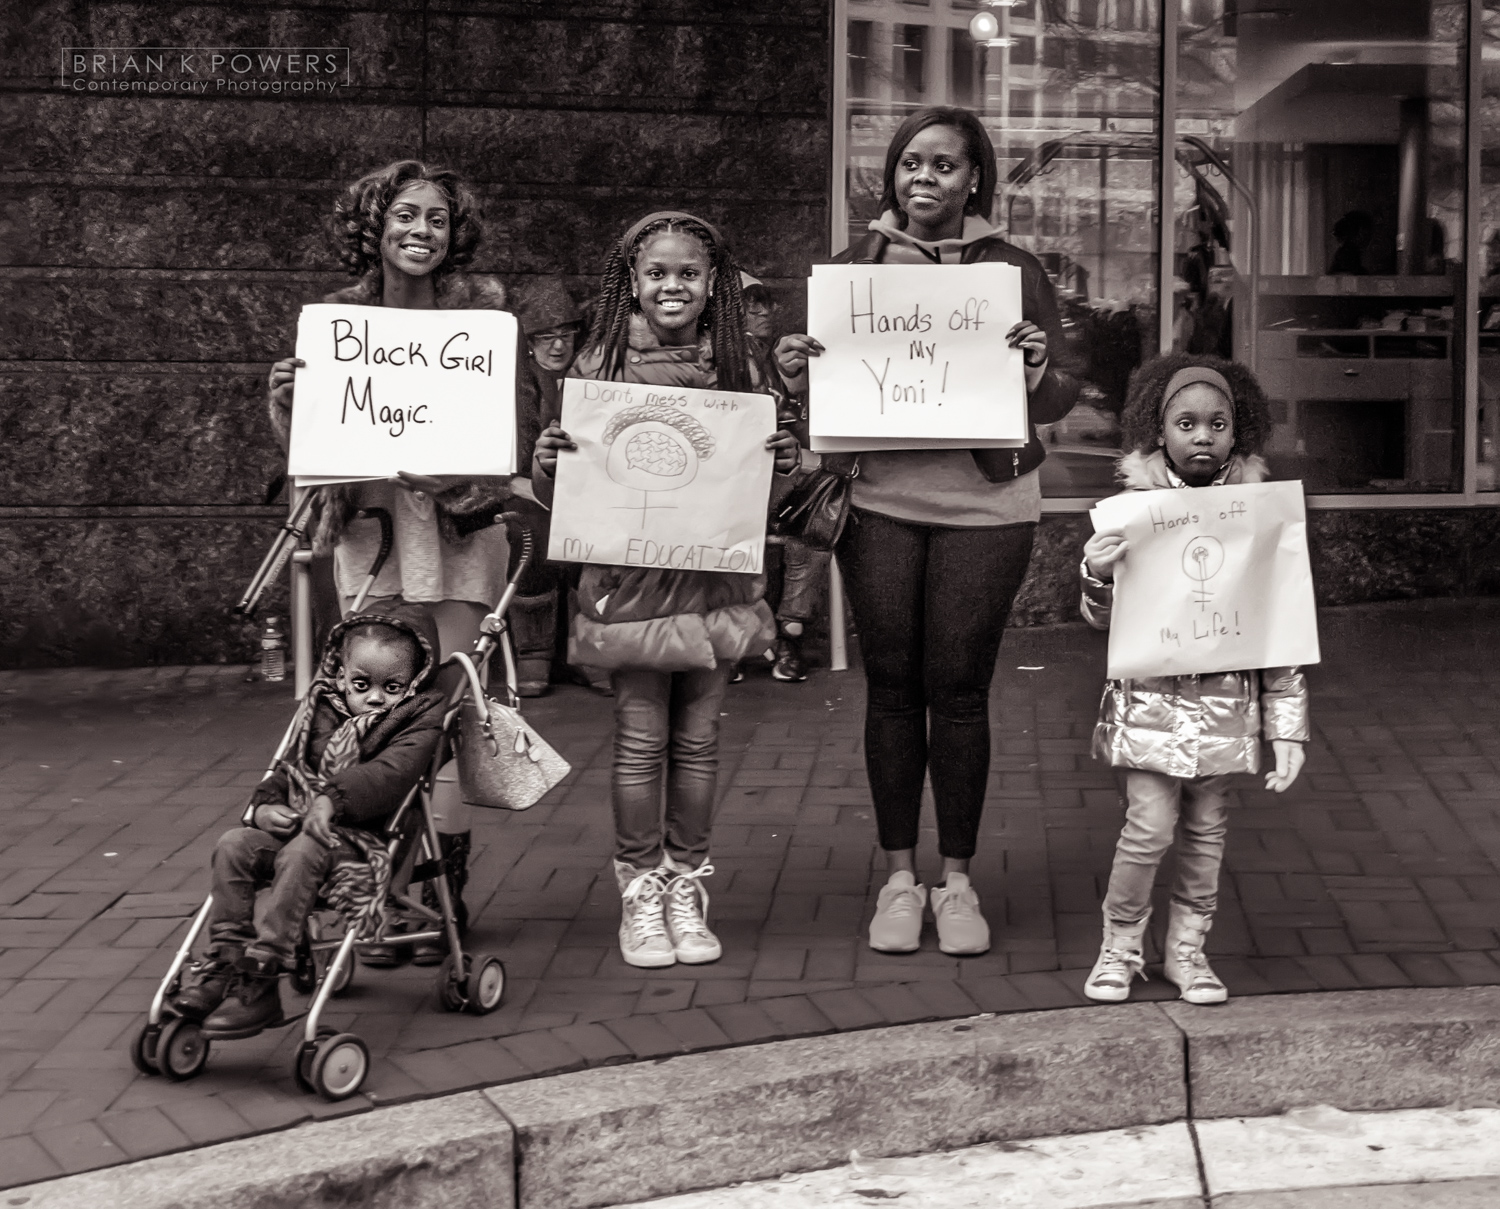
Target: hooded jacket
x=664, y=620
x=395, y=753
x=468, y=505
x=1191, y=726
x=981, y=243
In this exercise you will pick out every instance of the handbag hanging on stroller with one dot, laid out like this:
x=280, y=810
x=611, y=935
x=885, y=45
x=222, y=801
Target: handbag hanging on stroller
x=335, y=1064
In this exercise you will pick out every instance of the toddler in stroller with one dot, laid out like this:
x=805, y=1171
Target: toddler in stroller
x=364, y=736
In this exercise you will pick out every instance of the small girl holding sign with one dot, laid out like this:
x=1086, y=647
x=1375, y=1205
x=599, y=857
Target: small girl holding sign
x=1190, y=422
x=670, y=314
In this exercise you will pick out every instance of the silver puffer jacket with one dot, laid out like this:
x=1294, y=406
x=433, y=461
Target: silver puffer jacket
x=1191, y=726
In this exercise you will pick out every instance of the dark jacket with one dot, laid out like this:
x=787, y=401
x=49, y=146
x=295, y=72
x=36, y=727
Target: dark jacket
x=636, y=617
x=1058, y=390
x=466, y=506
x=394, y=754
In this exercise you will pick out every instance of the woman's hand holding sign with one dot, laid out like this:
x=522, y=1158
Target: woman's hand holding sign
x=792, y=353
x=552, y=440
x=784, y=445
x=1032, y=341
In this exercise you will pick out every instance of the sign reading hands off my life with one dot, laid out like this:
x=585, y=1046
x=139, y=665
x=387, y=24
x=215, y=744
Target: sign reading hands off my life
x=1216, y=580
x=663, y=476
x=915, y=357
x=430, y=392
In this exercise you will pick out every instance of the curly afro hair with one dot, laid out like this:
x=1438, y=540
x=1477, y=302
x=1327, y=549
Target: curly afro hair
x=359, y=218
x=1140, y=422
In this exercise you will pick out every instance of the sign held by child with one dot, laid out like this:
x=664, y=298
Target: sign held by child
x=1217, y=580
x=428, y=392
x=915, y=357
x=670, y=477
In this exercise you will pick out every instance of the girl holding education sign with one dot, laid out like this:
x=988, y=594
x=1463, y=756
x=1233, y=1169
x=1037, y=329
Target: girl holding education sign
x=938, y=541
x=670, y=314
x=405, y=230
x=1193, y=422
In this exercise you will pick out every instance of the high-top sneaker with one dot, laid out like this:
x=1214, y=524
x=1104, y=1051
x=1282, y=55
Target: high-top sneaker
x=687, y=910
x=644, y=941
x=962, y=930
x=1185, y=965
x=1120, y=960
x=897, y=925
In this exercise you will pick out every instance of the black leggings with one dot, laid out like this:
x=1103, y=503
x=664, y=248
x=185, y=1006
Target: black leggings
x=931, y=605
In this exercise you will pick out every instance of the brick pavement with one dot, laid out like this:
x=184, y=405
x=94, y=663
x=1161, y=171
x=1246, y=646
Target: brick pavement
x=1381, y=868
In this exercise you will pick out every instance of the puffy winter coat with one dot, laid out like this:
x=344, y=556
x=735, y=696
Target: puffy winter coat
x=665, y=620
x=1191, y=726
x=396, y=751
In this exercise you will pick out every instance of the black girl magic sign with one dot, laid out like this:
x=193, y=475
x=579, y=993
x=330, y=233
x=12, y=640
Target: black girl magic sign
x=428, y=392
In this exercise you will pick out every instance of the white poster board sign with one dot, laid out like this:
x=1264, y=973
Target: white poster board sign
x=664, y=476
x=1216, y=580
x=915, y=358
x=430, y=392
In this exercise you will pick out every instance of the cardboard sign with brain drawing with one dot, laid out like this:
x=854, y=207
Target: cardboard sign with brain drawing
x=664, y=476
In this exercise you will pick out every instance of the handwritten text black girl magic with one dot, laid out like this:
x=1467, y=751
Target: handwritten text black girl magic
x=903, y=387
x=348, y=345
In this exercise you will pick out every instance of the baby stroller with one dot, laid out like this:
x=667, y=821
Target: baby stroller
x=328, y=1062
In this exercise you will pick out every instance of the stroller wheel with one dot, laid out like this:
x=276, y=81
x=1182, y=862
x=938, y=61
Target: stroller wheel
x=452, y=991
x=485, y=985
x=339, y=1066
x=302, y=1059
x=182, y=1050
x=143, y=1048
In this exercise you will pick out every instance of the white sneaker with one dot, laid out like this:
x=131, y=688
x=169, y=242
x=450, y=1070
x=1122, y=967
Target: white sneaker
x=687, y=905
x=955, y=909
x=897, y=926
x=643, y=927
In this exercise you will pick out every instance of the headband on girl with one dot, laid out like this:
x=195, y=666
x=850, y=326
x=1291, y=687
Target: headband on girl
x=1191, y=376
x=630, y=236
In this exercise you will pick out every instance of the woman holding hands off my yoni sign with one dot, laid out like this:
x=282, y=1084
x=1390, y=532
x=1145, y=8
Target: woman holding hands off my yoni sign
x=406, y=231
x=938, y=542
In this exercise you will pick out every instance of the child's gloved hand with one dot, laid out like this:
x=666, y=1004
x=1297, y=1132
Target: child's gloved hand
x=553, y=438
x=1290, y=757
x=275, y=819
x=784, y=445
x=1102, y=551
x=319, y=823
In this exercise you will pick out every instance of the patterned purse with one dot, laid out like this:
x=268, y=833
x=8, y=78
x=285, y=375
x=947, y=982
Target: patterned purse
x=502, y=762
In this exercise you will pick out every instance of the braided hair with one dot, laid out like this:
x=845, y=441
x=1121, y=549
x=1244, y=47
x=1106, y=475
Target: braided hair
x=359, y=219
x=724, y=316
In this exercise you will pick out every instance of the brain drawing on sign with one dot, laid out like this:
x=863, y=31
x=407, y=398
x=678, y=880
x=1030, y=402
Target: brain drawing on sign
x=655, y=448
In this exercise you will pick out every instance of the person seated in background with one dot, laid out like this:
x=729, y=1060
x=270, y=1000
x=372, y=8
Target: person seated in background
x=1354, y=232
x=804, y=570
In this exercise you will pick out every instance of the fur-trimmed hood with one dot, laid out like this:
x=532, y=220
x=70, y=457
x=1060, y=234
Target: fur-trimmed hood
x=1138, y=471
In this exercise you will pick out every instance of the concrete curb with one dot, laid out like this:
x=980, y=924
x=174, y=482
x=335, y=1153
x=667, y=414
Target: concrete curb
x=625, y=1133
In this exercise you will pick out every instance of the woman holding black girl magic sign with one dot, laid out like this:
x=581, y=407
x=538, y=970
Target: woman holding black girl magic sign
x=938, y=542
x=405, y=230
x=670, y=314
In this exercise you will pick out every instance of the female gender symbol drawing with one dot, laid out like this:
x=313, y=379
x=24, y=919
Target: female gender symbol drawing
x=1202, y=559
x=660, y=450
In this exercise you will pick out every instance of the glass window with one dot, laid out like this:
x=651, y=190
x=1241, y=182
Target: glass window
x=1320, y=228
x=1073, y=113
x=1488, y=457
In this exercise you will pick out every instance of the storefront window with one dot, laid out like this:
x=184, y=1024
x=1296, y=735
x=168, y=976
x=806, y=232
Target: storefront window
x=1320, y=228
x=1068, y=91
x=1488, y=455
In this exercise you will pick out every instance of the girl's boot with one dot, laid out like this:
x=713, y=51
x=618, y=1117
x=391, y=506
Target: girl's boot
x=1185, y=965
x=1120, y=960
x=644, y=942
x=533, y=625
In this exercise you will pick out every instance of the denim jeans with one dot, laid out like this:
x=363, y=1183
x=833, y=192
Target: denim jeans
x=804, y=572
x=246, y=859
x=666, y=736
x=1154, y=804
x=931, y=605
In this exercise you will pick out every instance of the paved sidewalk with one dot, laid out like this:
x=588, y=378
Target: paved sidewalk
x=1380, y=869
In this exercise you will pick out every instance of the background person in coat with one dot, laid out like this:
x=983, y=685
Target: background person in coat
x=938, y=542
x=670, y=314
x=1192, y=422
x=405, y=230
